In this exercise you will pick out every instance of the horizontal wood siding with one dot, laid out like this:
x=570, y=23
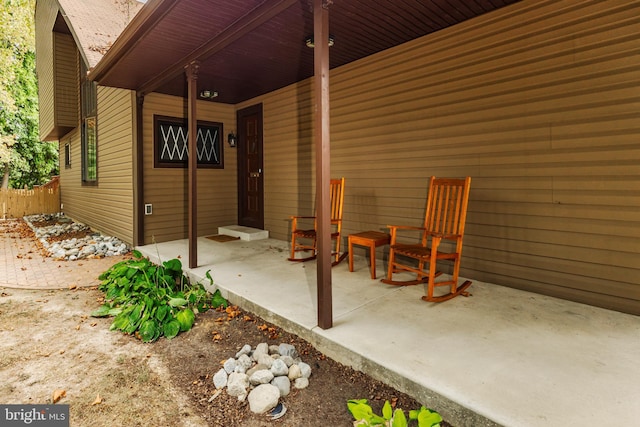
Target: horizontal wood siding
x=539, y=102
x=45, y=17
x=108, y=206
x=67, y=83
x=167, y=188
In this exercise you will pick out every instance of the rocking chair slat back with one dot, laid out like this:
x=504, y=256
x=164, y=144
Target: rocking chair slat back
x=446, y=207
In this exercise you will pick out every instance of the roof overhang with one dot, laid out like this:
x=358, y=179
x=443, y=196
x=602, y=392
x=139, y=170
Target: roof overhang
x=247, y=48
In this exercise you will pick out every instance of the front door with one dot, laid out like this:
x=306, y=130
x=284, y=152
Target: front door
x=250, y=172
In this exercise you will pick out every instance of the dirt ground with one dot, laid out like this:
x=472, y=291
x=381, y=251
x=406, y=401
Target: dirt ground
x=49, y=344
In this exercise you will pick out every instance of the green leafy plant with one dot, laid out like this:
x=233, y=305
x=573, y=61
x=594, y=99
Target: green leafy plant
x=150, y=300
x=364, y=415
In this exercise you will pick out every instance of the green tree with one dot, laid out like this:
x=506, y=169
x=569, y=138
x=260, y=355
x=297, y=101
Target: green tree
x=24, y=159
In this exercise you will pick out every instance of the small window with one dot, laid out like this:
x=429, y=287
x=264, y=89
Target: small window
x=91, y=151
x=67, y=155
x=89, y=134
x=171, y=137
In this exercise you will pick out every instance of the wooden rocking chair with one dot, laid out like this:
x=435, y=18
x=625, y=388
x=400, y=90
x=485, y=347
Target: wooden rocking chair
x=337, y=200
x=444, y=220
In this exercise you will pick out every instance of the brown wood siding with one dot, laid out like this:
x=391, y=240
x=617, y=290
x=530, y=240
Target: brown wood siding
x=66, y=81
x=538, y=102
x=166, y=188
x=108, y=206
x=45, y=17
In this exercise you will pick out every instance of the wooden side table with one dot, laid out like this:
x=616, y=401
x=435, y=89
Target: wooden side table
x=370, y=239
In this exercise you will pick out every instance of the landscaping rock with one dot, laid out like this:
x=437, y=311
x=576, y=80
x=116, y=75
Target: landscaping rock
x=220, y=379
x=263, y=398
x=279, y=368
x=287, y=350
x=91, y=245
x=237, y=384
x=283, y=384
x=301, y=383
x=263, y=374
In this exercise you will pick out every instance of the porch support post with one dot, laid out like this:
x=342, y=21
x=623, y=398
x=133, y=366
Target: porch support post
x=323, y=160
x=192, y=93
x=138, y=186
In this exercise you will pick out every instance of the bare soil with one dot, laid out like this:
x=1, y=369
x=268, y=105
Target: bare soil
x=49, y=344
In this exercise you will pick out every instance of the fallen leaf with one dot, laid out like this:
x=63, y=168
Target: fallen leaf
x=97, y=401
x=61, y=351
x=73, y=286
x=57, y=395
x=94, y=323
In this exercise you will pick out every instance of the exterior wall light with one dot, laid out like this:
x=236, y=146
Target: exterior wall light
x=232, y=140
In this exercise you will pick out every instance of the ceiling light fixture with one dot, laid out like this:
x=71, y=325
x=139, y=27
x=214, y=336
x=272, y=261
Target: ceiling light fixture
x=309, y=41
x=208, y=94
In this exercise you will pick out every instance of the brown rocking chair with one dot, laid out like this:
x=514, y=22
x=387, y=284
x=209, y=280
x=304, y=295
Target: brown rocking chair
x=444, y=220
x=337, y=200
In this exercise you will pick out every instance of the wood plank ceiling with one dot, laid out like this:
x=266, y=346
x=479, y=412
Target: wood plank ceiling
x=250, y=47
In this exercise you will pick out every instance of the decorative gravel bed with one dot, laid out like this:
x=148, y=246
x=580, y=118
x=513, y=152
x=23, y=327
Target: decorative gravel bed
x=64, y=239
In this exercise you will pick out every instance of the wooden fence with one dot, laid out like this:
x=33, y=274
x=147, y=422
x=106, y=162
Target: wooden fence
x=42, y=199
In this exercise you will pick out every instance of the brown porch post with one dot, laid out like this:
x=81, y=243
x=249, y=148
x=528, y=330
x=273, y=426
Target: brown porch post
x=139, y=173
x=192, y=93
x=323, y=160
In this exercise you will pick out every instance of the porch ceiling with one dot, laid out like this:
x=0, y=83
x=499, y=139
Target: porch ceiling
x=250, y=47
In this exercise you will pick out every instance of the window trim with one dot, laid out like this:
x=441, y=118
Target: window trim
x=67, y=155
x=89, y=128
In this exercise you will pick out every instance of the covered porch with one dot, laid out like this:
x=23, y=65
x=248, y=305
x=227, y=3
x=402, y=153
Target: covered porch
x=501, y=356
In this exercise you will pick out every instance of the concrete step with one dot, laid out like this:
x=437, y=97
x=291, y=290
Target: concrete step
x=244, y=233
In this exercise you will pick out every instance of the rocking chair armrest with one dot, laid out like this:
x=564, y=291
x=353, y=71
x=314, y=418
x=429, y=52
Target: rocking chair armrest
x=404, y=227
x=443, y=236
x=394, y=228
x=294, y=221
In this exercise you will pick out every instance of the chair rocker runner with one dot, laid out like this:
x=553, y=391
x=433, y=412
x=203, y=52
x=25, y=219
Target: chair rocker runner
x=337, y=200
x=444, y=221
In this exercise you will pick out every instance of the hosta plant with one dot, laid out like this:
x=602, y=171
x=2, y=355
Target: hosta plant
x=365, y=417
x=150, y=301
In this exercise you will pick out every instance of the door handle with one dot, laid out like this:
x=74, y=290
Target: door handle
x=254, y=174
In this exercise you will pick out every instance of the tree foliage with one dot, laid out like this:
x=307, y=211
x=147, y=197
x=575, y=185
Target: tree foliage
x=25, y=161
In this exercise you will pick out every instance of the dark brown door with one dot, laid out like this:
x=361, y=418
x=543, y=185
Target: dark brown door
x=250, y=172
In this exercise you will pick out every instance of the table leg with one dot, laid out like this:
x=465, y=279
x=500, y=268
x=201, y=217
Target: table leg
x=372, y=254
x=350, y=256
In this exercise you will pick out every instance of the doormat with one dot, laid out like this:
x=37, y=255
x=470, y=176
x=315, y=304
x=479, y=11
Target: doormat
x=222, y=238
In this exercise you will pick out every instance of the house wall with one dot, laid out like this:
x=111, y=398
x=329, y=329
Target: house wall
x=167, y=188
x=107, y=207
x=66, y=83
x=538, y=102
x=57, y=65
x=45, y=16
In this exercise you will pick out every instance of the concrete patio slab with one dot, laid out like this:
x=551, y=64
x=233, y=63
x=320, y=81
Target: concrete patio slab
x=499, y=357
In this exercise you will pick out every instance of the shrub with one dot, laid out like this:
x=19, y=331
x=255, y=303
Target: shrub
x=150, y=301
